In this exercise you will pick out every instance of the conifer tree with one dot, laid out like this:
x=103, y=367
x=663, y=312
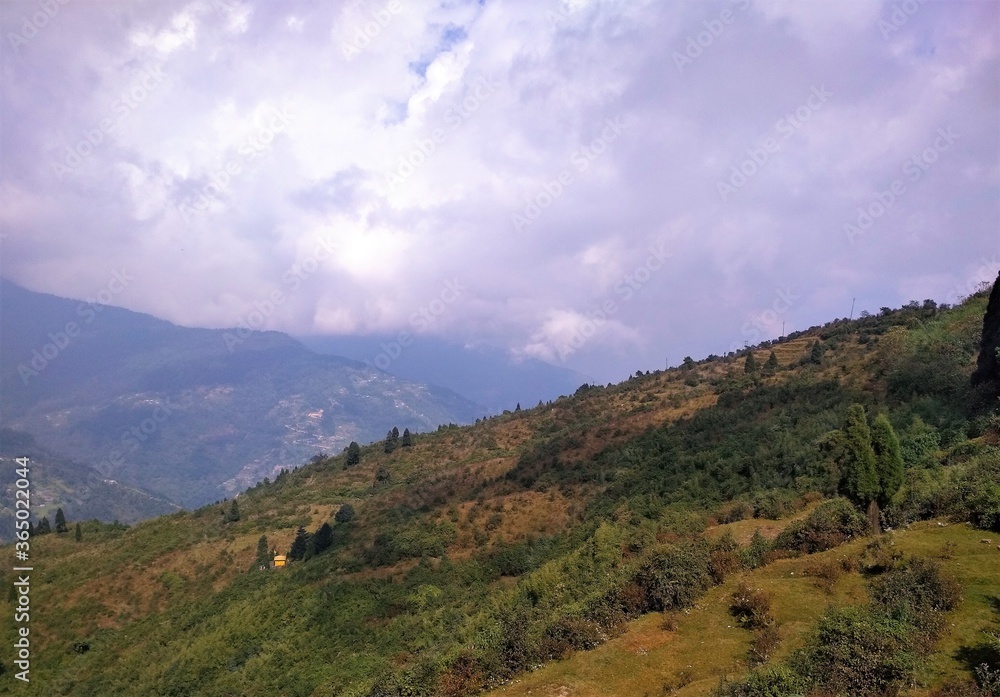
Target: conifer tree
x=78, y=535
x=43, y=527
x=816, y=353
x=888, y=459
x=353, y=454
x=390, y=443
x=750, y=367
x=234, y=512
x=518, y=407
x=263, y=554
x=299, y=545
x=772, y=363
x=395, y=433
x=323, y=538
x=406, y=440
x=61, y=526
x=860, y=482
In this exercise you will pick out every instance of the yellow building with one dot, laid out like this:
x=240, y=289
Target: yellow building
x=279, y=561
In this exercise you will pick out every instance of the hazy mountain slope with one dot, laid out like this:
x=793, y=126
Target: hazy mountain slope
x=175, y=411
x=80, y=490
x=484, y=374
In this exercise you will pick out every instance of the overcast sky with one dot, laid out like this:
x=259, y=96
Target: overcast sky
x=602, y=184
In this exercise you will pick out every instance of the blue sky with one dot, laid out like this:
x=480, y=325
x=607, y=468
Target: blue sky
x=606, y=185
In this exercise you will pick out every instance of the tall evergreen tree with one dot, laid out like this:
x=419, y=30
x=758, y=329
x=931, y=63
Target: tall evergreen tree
x=406, y=441
x=78, y=535
x=816, y=353
x=323, y=538
x=988, y=362
x=860, y=482
x=263, y=553
x=43, y=527
x=234, y=512
x=61, y=526
x=888, y=459
x=390, y=443
x=353, y=454
x=299, y=545
x=395, y=433
x=750, y=366
x=518, y=407
x=772, y=364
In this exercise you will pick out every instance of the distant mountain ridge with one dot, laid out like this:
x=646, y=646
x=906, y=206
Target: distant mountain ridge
x=487, y=375
x=177, y=411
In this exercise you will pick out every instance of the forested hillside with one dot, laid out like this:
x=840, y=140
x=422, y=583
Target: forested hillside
x=824, y=497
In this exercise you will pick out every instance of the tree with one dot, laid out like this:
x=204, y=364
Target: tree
x=750, y=367
x=323, y=538
x=390, y=443
x=43, y=527
x=353, y=454
x=517, y=408
x=988, y=362
x=299, y=545
x=61, y=526
x=816, y=353
x=687, y=363
x=406, y=441
x=395, y=433
x=345, y=514
x=860, y=482
x=78, y=535
x=234, y=512
x=888, y=459
x=381, y=475
x=772, y=364
x=263, y=554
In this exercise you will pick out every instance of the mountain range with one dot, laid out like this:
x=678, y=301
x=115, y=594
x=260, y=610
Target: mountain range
x=189, y=415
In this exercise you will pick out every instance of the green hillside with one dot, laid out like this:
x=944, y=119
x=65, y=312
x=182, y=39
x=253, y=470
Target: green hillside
x=594, y=545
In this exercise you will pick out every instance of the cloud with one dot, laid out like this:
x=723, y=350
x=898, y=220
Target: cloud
x=210, y=144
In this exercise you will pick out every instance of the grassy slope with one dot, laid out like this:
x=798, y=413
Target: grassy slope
x=689, y=661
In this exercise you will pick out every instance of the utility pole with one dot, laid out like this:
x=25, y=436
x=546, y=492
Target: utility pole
x=852, y=307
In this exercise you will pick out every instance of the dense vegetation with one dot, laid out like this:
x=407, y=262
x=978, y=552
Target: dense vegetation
x=451, y=562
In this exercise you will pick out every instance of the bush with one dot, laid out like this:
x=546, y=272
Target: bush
x=776, y=681
x=674, y=577
x=916, y=592
x=751, y=607
x=831, y=524
x=826, y=573
x=859, y=652
x=764, y=642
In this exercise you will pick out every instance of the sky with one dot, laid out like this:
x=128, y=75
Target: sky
x=607, y=185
